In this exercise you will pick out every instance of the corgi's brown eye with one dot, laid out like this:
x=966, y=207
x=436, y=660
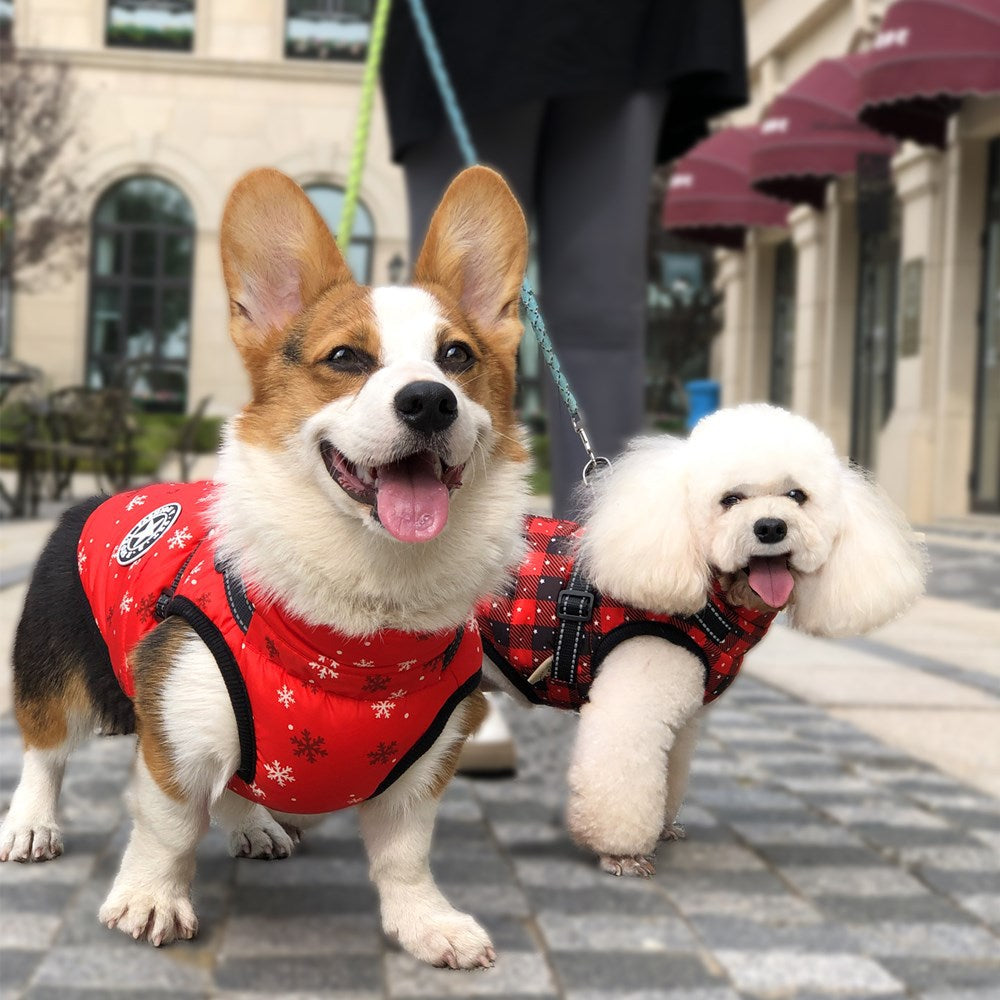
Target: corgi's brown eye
x=455, y=357
x=731, y=499
x=349, y=360
x=798, y=496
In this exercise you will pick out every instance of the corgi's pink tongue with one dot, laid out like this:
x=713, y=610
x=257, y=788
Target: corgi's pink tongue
x=412, y=501
x=770, y=579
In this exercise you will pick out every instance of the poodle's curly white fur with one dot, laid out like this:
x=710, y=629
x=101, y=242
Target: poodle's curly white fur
x=752, y=487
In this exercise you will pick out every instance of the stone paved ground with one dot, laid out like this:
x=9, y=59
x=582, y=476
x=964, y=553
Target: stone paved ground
x=820, y=863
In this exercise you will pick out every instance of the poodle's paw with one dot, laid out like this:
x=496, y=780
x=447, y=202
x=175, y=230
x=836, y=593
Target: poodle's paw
x=263, y=839
x=157, y=917
x=673, y=831
x=638, y=865
x=29, y=841
x=446, y=938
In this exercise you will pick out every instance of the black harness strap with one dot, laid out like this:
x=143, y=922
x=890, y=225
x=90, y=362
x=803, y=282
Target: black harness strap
x=574, y=609
x=714, y=624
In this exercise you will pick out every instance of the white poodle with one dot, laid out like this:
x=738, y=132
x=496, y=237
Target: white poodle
x=688, y=550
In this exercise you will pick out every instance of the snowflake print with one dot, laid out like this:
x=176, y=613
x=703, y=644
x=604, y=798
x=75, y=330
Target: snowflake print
x=146, y=608
x=286, y=696
x=353, y=799
x=383, y=709
x=280, y=773
x=364, y=664
x=258, y=791
x=382, y=754
x=376, y=682
x=203, y=600
x=81, y=558
x=406, y=664
x=109, y=616
x=398, y=694
x=179, y=539
x=272, y=649
x=324, y=669
x=136, y=501
x=308, y=746
x=126, y=604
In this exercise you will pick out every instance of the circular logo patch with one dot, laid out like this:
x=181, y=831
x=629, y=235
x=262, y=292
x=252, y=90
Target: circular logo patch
x=147, y=533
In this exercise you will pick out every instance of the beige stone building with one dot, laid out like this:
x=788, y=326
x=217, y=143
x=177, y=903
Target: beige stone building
x=175, y=100
x=884, y=328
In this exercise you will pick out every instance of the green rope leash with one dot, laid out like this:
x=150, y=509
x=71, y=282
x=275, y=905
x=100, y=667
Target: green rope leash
x=369, y=82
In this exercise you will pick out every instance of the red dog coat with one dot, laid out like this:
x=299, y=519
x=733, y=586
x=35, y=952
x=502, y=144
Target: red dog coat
x=548, y=611
x=325, y=720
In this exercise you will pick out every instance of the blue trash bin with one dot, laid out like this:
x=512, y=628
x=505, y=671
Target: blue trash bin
x=703, y=399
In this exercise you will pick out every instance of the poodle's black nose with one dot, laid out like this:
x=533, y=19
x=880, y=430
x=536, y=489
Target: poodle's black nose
x=770, y=530
x=426, y=406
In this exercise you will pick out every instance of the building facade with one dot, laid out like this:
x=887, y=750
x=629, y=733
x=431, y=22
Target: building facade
x=882, y=327
x=174, y=100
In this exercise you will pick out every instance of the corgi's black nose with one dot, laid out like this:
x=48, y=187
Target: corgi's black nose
x=426, y=406
x=770, y=530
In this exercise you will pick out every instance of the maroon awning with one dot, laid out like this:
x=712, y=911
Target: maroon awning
x=811, y=134
x=710, y=199
x=927, y=55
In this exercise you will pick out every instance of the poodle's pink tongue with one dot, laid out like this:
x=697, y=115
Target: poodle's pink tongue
x=770, y=579
x=412, y=501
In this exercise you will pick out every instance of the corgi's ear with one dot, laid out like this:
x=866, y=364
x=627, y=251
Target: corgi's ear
x=277, y=255
x=641, y=546
x=875, y=571
x=477, y=248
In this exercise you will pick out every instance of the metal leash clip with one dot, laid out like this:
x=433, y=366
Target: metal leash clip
x=594, y=462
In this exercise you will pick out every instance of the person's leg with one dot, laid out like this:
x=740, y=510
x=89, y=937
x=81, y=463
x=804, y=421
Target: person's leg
x=506, y=140
x=596, y=158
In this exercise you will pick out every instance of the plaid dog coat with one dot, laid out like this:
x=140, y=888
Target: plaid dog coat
x=548, y=610
x=325, y=720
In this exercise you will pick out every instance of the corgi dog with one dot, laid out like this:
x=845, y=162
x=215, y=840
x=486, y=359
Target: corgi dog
x=296, y=636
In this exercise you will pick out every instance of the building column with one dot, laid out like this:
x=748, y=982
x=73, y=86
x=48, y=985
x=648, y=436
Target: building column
x=729, y=348
x=907, y=442
x=964, y=183
x=808, y=228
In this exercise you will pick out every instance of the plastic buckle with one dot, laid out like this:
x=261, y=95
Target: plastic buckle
x=162, y=603
x=581, y=613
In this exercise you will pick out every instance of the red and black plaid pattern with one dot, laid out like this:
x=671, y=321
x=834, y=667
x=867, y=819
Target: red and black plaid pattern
x=519, y=625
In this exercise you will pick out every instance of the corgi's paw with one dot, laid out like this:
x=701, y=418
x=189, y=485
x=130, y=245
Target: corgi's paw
x=639, y=865
x=157, y=917
x=673, y=831
x=29, y=841
x=447, y=939
x=262, y=838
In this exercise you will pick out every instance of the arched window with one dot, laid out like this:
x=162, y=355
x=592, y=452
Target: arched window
x=140, y=292
x=329, y=201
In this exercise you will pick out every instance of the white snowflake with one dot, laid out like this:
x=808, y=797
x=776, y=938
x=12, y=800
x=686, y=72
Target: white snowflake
x=383, y=709
x=195, y=570
x=364, y=664
x=406, y=664
x=286, y=696
x=81, y=558
x=398, y=694
x=136, y=501
x=354, y=799
x=179, y=539
x=324, y=669
x=281, y=773
x=126, y=605
x=258, y=791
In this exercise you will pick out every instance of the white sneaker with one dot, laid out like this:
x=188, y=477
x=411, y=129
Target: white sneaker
x=490, y=751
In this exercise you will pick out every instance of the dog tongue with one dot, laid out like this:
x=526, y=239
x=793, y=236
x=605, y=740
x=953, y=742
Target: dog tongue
x=412, y=501
x=770, y=579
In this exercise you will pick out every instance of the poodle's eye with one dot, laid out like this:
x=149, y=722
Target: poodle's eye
x=731, y=499
x=798, y=496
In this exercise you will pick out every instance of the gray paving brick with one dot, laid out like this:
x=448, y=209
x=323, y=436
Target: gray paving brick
x=776, y=971
x=517, y=975
x=927, y=940
x=867, y=880
x=771, y=908
x=264, y=935
x=903, y=909
x=580, y=970
x=740, y=934
x=704, y=993
x=926, y=975
x=614, y=932
x=27, y=931
x=986, y=906
x=273, y=974
x=125, y=963
x=17, y=966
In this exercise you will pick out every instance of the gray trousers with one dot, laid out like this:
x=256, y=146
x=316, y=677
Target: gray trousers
x=580, y=166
